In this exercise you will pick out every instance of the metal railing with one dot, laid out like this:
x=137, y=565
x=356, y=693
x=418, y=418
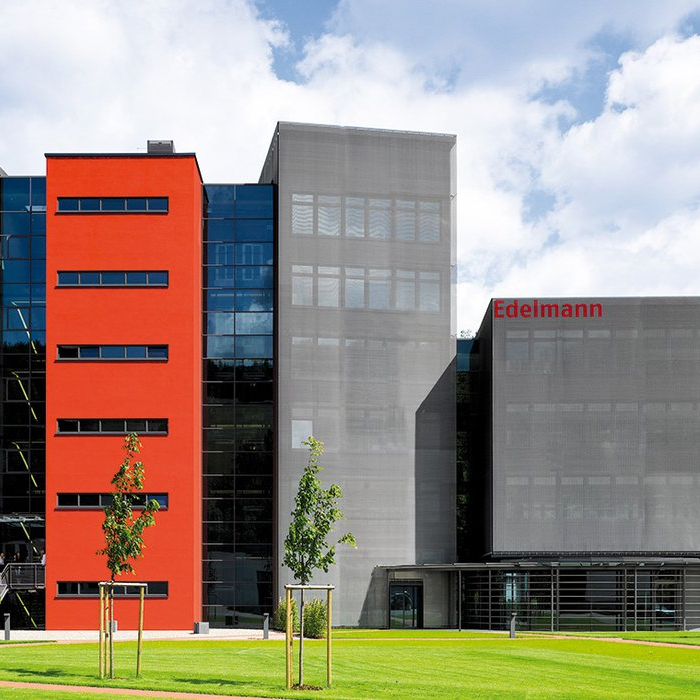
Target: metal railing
x=25, y=577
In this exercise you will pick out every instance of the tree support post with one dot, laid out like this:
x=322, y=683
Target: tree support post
x=328, y=637
x=289, y=632
x=142, y=591
x=106, y=644
x=111, y=629
x=102, y=631
x=301, y=638
x=288, y=638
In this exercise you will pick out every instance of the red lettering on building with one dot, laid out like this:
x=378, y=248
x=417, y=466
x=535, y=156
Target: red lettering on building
x=514, y=308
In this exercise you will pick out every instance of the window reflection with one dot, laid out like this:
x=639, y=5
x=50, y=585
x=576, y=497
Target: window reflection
x=355, y=217
x=22, y=236
x=237, y=438
x=380, y=219
x=374, y=218
x=378, y=289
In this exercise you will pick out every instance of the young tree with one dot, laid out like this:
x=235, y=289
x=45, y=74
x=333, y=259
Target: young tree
x=306, y=547
x=123, y=532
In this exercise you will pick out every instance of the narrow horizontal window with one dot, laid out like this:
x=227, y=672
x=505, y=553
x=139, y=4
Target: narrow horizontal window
x=112, y=353
x=90, y=589
x=110, y=278
x=112, y=426
x=110, y=205
x=102, y=500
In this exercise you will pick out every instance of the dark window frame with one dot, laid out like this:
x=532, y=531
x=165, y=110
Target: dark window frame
x=119, y=591
x=80, y=429
x=148, y=350
x=103, y=205
x=104, y=499
x=100, y=283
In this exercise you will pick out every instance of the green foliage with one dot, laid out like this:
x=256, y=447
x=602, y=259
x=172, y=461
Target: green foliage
x=279, y=617
x=315, y=619
x=315, y=512
x=124, y=533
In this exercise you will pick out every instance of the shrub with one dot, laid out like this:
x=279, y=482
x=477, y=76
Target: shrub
x=315, y=619
x=279, y=619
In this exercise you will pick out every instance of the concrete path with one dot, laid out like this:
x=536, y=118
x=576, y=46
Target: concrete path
x=131, y=635
x=617, y=640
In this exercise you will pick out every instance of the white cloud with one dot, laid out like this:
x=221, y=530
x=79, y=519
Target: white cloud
x=81, y=75
x=627, y=190
x=641, y=158
x=77, y=75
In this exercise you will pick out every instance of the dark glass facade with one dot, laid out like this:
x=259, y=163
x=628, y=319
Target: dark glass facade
x=23, y=369
x=581, y=596
x=238, y=404
x=472, y=407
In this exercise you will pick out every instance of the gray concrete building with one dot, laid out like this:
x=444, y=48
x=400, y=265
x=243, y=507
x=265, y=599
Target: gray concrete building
x=548, y=467
x=364, y=352
x=579, y=462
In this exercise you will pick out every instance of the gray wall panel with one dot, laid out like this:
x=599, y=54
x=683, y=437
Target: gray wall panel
x=364, y=308
x=596, y=429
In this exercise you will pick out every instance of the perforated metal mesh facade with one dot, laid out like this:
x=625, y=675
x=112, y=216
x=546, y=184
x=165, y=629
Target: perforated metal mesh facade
x=365, y=359
x=595, y=426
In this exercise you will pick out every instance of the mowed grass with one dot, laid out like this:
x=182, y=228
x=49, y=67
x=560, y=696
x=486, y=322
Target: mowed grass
x=471, y=666
x=34, y=694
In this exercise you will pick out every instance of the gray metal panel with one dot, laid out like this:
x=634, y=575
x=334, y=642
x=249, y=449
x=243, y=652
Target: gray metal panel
x=364, y=350
x=596, y=427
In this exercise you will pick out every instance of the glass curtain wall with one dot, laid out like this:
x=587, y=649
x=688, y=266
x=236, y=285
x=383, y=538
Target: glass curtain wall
x=238, y=404
x=471, y=428
x=587, y=597
x=23, y=369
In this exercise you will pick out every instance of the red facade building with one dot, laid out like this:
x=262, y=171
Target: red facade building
x=123, y=297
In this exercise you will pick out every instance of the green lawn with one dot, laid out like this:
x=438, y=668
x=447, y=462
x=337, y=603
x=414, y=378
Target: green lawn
x=472, y=666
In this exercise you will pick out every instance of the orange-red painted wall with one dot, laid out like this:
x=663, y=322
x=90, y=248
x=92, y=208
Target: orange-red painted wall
x=171, y=389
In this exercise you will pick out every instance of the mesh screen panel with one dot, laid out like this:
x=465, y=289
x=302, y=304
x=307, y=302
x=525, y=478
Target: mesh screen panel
x=365, y=360
x=596, y=427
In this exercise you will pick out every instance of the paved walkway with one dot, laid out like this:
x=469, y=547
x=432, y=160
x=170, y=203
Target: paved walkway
x=122, y=692
x=618, y=640
x=131, y=635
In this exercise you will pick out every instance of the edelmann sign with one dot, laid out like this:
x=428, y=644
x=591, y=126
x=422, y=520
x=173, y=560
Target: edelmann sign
x=515, y=308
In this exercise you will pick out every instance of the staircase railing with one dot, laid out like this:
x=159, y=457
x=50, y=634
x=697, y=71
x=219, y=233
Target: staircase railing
x=27, y=577
x=4, y=586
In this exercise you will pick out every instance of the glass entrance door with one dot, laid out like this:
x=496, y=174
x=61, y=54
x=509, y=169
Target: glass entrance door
x=405, y=606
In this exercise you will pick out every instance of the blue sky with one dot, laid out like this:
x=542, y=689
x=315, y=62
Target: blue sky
x=303, y=21
x=578, y=123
